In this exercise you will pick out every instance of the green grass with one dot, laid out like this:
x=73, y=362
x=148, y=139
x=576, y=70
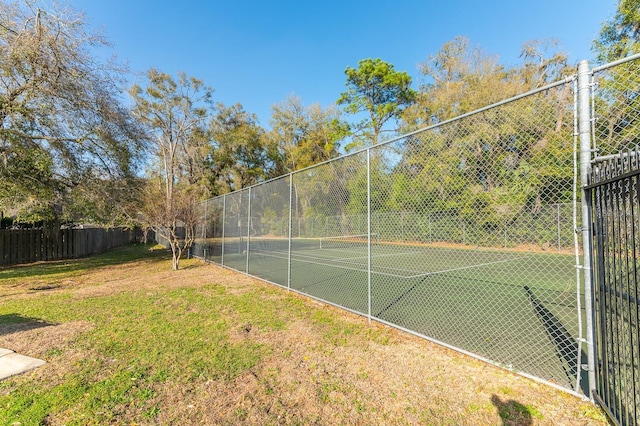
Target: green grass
x=476, y=299
x=154, y=346
x=74, y=267
x=140, y=339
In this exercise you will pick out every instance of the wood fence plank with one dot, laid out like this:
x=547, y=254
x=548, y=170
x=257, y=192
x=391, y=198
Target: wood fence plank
x=32, y=245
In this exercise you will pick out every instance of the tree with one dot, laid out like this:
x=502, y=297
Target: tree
x=616, y=101
x=63, y=130
x=543, y=63
x=490, y=168
x=462, y=78
x=620, y=36
x=302, y=136
x=175, y=112
x=377, y=89
x=238, y=157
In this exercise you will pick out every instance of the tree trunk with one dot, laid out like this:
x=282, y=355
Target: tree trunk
x=175, y=254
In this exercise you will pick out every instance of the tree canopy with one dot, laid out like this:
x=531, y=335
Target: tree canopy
x=238, y=157
x=65, y=137
x=302, y=136
x=175, y=112
x=377, y=89
x=620, y=36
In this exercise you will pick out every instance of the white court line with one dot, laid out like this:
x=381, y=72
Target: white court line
x=342, y=259
x=464, y=267
x=417, y=274
x=422, y=274
x=337, y=266
x=348, y=259
x=332, y=261
x=377, y=256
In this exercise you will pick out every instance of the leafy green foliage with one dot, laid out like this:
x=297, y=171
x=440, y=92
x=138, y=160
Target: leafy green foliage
x=620, y=36
x=63, y=129
x=238, y=156
x=302, y=136
x=377, y=89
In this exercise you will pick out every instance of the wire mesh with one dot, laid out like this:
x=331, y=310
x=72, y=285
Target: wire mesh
x=481, y=244
x=462, y=232
x=199, y=246
x=616, y=105
x=331, y=195
x=269, y=231
x=210, y=237
x=615, y=187
x=236, y=223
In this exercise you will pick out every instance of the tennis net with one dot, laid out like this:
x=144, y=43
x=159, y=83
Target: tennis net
x=342, y=242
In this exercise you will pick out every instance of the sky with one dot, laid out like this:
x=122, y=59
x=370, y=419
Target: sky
x=258, y=53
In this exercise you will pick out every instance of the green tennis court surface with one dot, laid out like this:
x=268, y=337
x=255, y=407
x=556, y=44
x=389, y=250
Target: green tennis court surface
x=499, y=304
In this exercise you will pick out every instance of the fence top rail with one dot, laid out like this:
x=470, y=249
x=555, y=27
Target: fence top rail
x=550, y=86
x=616, y=63
x=603, y=158
x=613, y=168
x=565, y=80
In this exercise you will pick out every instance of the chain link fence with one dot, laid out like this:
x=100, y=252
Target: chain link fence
x=463, y=233
x=616, y=108
x=615, y=186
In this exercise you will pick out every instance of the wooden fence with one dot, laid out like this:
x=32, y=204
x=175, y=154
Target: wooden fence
x=32, y=245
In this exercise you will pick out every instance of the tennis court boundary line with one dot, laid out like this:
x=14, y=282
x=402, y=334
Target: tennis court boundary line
x=361, y=269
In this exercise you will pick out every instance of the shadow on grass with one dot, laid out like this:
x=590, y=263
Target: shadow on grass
x=116, y=256
x=512, y=412
x=12, y=323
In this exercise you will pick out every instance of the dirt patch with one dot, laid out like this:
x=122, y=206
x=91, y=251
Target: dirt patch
x=404, y=381
x=308, y=380
x=41, y=341
x=53, y=343
x=311, y=373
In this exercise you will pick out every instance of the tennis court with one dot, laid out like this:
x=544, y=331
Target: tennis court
x=471, y=234
x=499, y=304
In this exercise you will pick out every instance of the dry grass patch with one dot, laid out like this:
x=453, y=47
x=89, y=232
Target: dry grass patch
x=133, y=342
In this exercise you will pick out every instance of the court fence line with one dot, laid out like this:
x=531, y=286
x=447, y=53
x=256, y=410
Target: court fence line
x=480, y=217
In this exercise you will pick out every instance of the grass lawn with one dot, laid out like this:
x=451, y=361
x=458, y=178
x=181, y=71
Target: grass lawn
x=128, y=341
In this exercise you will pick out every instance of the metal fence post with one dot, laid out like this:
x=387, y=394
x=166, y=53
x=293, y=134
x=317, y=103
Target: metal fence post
x=464, y=233
x=290, y=225
x=584, y=131
x=224, y=213
x=505, y=234
x=369, y=234
x=558, y=223
x=204, y=234
x=248, y=230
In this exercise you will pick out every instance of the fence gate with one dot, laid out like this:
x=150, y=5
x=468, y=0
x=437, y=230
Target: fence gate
x=615, y=190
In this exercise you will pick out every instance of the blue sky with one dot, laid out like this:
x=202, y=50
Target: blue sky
x=259, y=52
